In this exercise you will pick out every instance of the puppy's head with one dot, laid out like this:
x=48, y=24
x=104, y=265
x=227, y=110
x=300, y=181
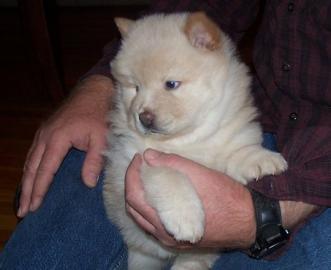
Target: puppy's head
x=169, y=72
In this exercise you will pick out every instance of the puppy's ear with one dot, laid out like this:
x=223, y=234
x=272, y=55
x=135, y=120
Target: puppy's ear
x=202, y=32
x=123, y=25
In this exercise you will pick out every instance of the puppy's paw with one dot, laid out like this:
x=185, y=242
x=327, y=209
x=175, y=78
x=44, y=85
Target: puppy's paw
x=176, y=201
x=263, y=163
x=184, y=222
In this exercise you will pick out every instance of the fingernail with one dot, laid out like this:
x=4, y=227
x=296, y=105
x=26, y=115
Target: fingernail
x=93, y=179
x=136, y=156
x=150, y=154
x=19, y=212
x=34, y=205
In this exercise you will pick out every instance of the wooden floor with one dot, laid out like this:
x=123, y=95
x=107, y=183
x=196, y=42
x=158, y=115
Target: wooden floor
x=82, y=33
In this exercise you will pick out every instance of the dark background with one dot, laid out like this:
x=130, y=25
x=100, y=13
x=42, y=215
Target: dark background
x=45, y=47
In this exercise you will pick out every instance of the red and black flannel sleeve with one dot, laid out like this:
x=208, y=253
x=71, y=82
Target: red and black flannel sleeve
x=308, y=178
x=292, y=87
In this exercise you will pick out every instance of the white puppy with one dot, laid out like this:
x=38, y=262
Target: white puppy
x=180, y=89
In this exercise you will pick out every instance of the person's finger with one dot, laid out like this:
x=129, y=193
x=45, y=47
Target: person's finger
x=134, y=192
x=29, y=173
x=145, y=215
x=184, y=165
x=50, y=162
x=93, y=162
x=157, y=158
x=140, y=220
x=158, y=232
x=132, y=176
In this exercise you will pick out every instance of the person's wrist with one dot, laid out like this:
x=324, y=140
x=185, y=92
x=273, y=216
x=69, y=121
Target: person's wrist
x=242, y=220
x=249, y=221
x=97, y=78
x=90, y=96
x=96, y=85
x=231, y=223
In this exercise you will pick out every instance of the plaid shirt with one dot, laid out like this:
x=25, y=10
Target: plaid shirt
x=292, y=84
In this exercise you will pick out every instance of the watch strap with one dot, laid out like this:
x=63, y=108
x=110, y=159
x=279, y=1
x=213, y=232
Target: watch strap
x=267, y=211
x=270, y=234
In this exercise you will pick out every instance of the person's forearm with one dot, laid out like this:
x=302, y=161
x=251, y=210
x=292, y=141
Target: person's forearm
x=96, y=90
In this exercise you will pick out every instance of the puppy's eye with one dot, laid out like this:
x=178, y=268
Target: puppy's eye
x=172, y=85
x=137, y=88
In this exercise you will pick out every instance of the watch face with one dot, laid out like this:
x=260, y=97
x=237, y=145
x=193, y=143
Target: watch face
x=271, y=238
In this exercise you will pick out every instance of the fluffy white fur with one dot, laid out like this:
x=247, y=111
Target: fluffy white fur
x=209, y=118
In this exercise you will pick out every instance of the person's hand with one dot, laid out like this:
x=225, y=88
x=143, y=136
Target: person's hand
x=229, y=213
x=80, y=123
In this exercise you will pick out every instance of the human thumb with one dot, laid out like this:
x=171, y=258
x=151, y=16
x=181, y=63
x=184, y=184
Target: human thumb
x=157, y=158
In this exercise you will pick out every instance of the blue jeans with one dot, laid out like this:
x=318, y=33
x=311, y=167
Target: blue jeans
x=71, y=231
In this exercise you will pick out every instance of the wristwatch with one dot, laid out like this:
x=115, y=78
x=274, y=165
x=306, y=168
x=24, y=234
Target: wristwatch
x=270, y=234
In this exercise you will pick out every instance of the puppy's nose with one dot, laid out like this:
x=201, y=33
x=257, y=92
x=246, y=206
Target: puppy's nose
x=147, y=119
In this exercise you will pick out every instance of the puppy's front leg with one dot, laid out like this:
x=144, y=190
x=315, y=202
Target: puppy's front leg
x=176, y=201
x=254, y=162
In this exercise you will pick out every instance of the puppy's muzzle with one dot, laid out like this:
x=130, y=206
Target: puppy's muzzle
x=147, y=119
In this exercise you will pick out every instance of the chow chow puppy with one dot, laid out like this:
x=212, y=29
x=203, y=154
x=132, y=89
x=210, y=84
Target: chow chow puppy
x=180, y=88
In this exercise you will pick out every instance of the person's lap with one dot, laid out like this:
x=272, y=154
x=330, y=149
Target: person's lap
x=71, y=231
